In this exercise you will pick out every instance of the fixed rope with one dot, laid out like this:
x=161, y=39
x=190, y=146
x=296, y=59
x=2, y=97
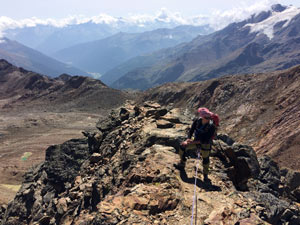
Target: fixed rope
x=194, y=197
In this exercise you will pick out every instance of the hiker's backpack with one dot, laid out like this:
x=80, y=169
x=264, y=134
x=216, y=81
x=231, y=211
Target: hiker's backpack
x=216, y=121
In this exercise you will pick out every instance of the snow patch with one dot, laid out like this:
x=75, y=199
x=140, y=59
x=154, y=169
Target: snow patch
x=267, y=26
x=168, y=36
x=95, y=75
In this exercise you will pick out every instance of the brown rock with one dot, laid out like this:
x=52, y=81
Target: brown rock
x=164, y=124
x=136, y=203
x=62, y=206
x=150, y=104
x=78, y=180
x=170, y=118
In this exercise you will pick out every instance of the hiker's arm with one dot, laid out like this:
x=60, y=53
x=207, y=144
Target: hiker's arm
x=190, y=134
x=191, y=131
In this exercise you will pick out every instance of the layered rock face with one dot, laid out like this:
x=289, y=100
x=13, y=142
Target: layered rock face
x=124, y=174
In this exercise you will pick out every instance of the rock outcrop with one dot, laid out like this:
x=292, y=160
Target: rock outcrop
x=124, y=174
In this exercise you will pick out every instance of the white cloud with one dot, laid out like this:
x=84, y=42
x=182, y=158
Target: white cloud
x=217, y=19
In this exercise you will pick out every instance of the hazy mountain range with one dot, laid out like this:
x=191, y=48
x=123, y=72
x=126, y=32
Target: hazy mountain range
x=105, y=54
x=49, y=36
x=32, y=60
x=265, y=42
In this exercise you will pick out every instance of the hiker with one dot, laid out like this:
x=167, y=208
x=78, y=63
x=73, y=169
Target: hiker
x=200, y=137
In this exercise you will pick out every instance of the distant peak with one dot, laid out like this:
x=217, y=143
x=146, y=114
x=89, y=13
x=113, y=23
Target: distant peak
x=266, y=26
x=64, y=77
x=2, y=40
x=278, y=8
x=4, y=64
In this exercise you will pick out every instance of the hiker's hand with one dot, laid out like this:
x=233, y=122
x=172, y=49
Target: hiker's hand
x=184, y=143
x=188, y=141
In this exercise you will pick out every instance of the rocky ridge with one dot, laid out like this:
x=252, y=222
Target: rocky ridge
x=25, y=89
x=124, y=174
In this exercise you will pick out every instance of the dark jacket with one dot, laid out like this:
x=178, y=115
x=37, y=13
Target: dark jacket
x=202, y=133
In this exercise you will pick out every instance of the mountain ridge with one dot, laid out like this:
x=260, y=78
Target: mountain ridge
x=232, y=50
x=33, y=60
x=52, y=36
x=20, y=88
x=102, y=55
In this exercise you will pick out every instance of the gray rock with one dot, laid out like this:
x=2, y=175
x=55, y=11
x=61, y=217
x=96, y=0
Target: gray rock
x=269, y=175
x=62, y=162
x=273, y=207
x=293, y=180
x=226, y=139
x=245, y=163
x=2, y=211
x=296, y=194
x=108, y=123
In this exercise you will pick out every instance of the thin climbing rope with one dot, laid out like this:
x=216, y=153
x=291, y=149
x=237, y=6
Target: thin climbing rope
x=194, y=197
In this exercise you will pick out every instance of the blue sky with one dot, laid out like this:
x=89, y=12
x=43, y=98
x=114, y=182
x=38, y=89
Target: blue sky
x=20, y=9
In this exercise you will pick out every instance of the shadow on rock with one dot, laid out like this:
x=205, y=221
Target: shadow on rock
x=208, y=186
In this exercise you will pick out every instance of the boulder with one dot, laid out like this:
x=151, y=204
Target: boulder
x=108, y=123
x=124, y=114
x=164, y=124
x=62, y=162
x=171, y=118
x=157, y=113
x=245, y=163
x=292, y=180
x=226, y=139
x=296, y=194
x=275, y=210
x=269, y=175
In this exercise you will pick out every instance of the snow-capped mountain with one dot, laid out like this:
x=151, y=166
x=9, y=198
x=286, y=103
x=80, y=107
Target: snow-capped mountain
x=51, y=35
x=279, y=14
x=266, y=41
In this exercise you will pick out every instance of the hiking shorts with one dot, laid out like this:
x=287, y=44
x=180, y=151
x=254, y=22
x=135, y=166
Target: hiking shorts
x=204, y=151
